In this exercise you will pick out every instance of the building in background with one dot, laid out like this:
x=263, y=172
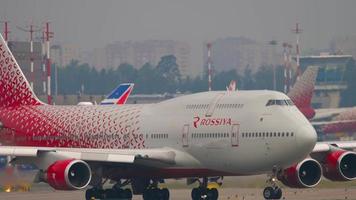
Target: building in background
x=240, y=52
x=21, y=51
x=137, y=53
x=330, y=80
x=344, y=45
x=63, y=54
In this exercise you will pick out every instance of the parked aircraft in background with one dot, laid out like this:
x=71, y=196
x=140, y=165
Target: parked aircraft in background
x=302, y=92
x=202, y=135
x=232, y=86
x=327, y=120
x=119, y=95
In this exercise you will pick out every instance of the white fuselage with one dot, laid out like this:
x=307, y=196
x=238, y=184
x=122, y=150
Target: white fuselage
x=232, y=132
x=213, y=133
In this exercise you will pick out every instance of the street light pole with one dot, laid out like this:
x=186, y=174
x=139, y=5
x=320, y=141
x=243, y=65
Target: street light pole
x=274, y=43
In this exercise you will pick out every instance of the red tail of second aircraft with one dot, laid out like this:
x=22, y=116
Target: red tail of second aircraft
x=302, y=92
x=14, y=88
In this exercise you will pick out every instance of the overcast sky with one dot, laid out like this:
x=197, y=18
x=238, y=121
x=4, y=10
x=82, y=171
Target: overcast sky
x=94, y=23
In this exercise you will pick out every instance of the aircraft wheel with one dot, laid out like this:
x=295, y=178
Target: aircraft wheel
x=94, y=193
x=148, y=195
x=164, y=194
x=89, y=194
x=196, y=194
x=272, y=193
x=111, y=194
x=127, y=194
x=268, y=193
x=277, y=193
x=214, y=194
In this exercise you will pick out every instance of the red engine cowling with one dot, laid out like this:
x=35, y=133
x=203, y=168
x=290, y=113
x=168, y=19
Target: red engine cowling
x=340, y=166
x=68, y=175
x=305, y=174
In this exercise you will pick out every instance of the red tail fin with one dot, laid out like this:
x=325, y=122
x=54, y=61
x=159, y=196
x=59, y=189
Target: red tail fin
x=14, y=88
x=302, y=92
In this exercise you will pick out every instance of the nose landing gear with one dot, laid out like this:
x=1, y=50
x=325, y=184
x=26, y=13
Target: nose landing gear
x=273, y=191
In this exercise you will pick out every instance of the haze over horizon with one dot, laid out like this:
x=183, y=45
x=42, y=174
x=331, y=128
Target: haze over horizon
x=93, y=24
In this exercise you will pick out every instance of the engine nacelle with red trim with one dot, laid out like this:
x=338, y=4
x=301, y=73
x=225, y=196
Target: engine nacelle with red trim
x=340, y=166
x=68, y=175
x=305, y=174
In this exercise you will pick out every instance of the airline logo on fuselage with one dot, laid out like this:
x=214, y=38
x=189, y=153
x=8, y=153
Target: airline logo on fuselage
x=211, y=121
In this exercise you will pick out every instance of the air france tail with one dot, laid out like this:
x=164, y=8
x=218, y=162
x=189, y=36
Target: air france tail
x=14, y=88
x=119, y=95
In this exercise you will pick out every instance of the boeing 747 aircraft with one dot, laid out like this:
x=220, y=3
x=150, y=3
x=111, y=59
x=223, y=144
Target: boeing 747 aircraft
x=209, y=134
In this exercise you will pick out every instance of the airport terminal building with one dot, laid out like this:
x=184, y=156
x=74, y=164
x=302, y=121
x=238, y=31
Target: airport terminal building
x=330, y=80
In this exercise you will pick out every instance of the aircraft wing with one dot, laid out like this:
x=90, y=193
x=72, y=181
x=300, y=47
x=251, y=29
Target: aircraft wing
x=338, y=122
x=148, y=157
x=329, y=145
x=328, y=113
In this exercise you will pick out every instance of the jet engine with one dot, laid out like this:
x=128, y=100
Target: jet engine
x=305, y=174
x=68, y=175
x=340, y=166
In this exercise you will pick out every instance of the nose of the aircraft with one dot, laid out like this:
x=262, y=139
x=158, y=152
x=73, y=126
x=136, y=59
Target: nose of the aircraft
x=306, y=138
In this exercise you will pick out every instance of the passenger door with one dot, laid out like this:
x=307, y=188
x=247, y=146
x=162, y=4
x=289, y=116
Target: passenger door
x=235, y=132
x=185, y=135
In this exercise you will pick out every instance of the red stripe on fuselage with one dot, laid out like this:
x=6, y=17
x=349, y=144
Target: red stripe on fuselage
x=117, y=174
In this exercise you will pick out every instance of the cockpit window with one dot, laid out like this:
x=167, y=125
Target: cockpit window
x=280, y=102
x=271, y=102
x=290, y=102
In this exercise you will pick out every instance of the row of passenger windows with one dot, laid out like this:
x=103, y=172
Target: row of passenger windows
x=197, y=106
x=225, y=105
x=158, y=136
x=268, y=134
x=218, y=106
x=210, y=135
x=286, y=102
x=226, y=135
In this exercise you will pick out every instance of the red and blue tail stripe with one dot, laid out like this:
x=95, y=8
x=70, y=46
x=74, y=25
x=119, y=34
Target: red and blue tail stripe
x=119, y=95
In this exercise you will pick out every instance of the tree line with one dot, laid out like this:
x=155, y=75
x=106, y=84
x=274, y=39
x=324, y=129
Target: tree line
x=165, y=77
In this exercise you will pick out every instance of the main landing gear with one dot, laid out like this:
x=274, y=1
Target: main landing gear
x=272, y=191
x=152, y=192
x=202, y=192
x=116, y=192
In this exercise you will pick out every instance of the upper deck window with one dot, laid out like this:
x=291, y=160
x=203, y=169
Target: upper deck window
x=280, y=102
